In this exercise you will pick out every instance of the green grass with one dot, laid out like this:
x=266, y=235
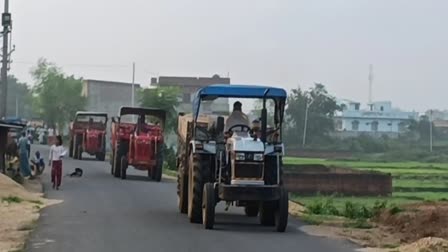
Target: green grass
x=339, y=202
x=363, y=164
x=12, y=199
x=170, y=172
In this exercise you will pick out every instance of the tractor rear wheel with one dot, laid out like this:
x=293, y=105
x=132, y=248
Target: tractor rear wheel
x=208, y=206
x=79, y=152
x=75, y=148
x=157, y=172
x=182, y=190
x=123, y=166
x=281, y=213
x=70, y=149
x=267, y=213
x=112, y=160
x=117, y=164
x=100, y=156
x=251, y=210
x=195, y=187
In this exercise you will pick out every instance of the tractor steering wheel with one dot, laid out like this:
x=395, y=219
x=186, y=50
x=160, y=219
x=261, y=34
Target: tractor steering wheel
x=244, y=127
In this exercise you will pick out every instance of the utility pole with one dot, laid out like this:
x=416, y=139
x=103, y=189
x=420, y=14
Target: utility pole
x=307, y=106
x=6, y=23
x=370, y=83
x=430, y=130
x=133, y=85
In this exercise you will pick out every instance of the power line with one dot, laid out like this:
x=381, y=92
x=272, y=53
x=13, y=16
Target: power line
x=77, y=64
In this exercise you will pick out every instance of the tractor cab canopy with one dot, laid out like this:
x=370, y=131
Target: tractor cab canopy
x=143, y=112
x=85, y=115
x=212, y=92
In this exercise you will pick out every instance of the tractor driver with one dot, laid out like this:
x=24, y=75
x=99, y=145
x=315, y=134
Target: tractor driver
x=140, y=126
x=237, y=117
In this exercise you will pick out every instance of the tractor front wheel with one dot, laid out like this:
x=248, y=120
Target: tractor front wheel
x=70, y=149
x=182, y=190
x=157, y=172
x=79, y=152
x=195, y=187
x=208, y=206
x=281, y=213
x=267, y=213
x=124, y=167
x=117, y=164
x=251, y=210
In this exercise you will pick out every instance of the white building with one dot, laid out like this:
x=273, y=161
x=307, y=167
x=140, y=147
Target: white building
x=379, y=118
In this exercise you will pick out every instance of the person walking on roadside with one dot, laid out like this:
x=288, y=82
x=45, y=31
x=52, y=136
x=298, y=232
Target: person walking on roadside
x=23, y=157
x=57, y=152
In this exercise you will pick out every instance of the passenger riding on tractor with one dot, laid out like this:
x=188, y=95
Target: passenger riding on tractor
x=88, y=134
x=138, y=144
x=241, y=165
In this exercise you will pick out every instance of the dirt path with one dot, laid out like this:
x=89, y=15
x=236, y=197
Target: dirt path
x=19, y=210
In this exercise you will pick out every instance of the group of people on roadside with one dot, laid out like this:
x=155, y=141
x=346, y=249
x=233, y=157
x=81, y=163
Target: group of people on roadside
x=30, y=167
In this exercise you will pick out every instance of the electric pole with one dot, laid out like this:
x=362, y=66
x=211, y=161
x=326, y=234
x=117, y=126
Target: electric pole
x=7, y=24
x=133, y=85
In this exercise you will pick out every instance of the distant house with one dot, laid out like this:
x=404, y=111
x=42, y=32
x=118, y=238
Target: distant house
x=108, y=97
x=188, y=87
x=379, y=118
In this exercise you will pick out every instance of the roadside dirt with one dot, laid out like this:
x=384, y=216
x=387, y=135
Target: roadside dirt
x=19, y=211
x=416, y=227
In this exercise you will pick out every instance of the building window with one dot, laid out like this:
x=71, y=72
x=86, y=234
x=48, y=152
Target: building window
x=357, y=106
x=374, y=126
x=186, y=98
x=382, y=108
x=355, y=125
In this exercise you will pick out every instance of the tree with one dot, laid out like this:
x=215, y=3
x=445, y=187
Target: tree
x=165, y=98
x=57, y=96
x=320, y=114
x=19, y=98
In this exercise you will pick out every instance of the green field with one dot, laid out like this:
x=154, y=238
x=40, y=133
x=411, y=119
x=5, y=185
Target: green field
x=412, y=181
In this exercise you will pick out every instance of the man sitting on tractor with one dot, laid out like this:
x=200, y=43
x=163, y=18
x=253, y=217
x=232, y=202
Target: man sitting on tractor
x=237, y=117
x=140, y=126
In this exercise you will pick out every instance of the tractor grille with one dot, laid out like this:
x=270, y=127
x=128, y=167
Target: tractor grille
x=245, y=170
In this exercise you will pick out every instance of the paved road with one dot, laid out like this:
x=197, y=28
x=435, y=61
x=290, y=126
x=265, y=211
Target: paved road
x=102, y=213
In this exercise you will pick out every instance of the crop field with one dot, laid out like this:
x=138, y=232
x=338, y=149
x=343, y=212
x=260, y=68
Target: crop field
x=412, y=181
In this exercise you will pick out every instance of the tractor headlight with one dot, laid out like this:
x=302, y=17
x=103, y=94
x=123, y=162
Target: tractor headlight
x=258, y=157
x=240, y=156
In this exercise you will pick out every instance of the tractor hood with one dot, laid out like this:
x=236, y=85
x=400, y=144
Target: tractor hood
x=243, y=142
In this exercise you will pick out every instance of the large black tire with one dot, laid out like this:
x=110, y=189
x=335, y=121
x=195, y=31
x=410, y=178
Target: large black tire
x=267, y=213
x=251, y=210
x=157, y=173
x=75, y=147
x=112, y=161
x=117, y=163
x=208, y=206
x=281, y=213
x=195, y=187
x=79, y=152
x=182, y=190
x=100, y=156
x=123, y=166
x=70, y=149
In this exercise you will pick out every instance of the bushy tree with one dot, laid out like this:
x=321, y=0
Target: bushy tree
x=320, y=114
x=19, y=98
x=57, y=96
x=165, y=98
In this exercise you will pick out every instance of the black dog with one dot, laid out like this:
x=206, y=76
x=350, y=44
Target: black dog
x=77, y=173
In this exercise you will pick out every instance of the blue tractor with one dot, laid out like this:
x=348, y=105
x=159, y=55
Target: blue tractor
x=238, y=164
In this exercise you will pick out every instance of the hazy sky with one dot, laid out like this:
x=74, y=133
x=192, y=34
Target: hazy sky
x=276, y=42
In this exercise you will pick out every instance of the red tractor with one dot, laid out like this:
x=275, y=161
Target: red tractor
x=139, y=144
x=88, y=134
